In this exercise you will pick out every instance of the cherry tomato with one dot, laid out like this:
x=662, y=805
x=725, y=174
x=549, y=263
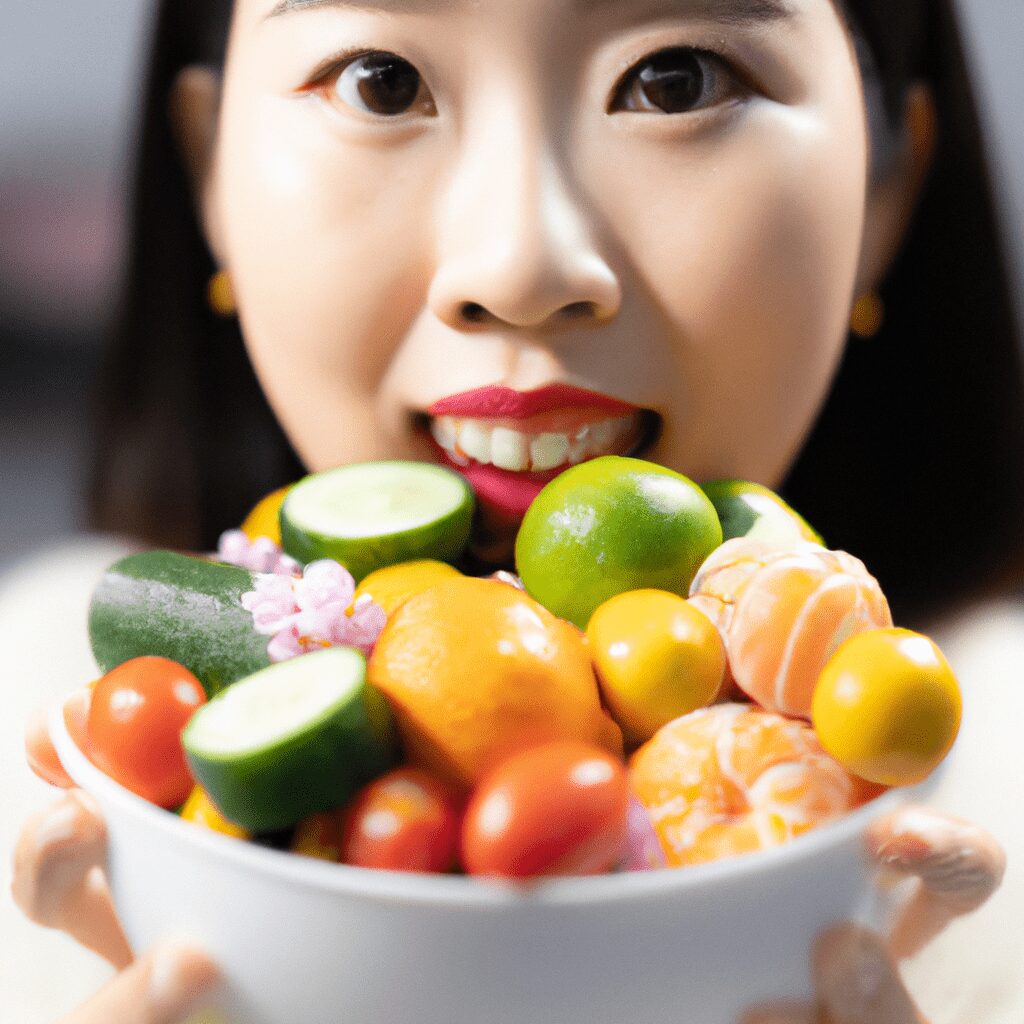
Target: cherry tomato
x=407, y=820
x=134, y=727
x=556, y=809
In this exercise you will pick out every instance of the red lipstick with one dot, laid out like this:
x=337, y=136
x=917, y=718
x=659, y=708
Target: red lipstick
x=504, y=494
x=505, y=403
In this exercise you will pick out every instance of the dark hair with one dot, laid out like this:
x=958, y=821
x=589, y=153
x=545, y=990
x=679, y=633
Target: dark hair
x=185, y=440
x=916, y=463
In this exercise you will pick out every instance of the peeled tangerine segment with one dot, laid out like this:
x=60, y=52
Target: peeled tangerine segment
x=734, y=779
x=784, y=612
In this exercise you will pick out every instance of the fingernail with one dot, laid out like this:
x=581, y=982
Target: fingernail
x=179, y=975
x=903, y=849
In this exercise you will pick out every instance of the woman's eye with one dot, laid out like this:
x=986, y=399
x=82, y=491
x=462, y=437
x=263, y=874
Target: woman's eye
x=675, y=81
x=382, y=83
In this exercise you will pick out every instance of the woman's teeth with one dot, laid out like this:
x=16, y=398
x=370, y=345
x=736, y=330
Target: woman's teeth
x=500, y=446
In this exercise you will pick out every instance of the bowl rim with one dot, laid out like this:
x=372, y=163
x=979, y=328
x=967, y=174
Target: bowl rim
x=462, y=891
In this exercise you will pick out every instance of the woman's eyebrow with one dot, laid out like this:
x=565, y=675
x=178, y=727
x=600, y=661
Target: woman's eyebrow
x=732, y=12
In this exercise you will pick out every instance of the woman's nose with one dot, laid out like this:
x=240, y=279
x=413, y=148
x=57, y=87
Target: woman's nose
x=517, y=248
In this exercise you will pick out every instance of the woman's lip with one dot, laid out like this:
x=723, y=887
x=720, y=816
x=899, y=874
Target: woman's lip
x=504, y=492
x=504, y=495
x=505, y=403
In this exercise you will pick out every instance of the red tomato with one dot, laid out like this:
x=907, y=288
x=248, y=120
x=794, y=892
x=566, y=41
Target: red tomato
x=406, y=820
x=138, y=712
x=557, y=809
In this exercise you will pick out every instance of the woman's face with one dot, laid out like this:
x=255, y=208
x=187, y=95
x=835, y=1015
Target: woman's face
x=660, y=201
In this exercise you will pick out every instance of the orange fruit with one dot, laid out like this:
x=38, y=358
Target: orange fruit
x=263, y=520
x=657, y=657
x=783, y=612
x=395, y=584
x=476, y=670
x=888, y=706
x=734, y=779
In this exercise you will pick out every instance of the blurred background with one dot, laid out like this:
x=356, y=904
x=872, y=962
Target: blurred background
x=69, y=79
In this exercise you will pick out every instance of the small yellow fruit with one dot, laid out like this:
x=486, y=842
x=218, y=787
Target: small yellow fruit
x=318, y=836
x=393, y=585
x=887, y=706
x=657, y=657
x=201, y=810
x=263, y=521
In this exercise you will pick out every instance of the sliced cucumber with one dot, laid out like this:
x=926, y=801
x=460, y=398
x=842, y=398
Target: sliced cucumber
x=291, y=740
x=374, y=514
x=183, y=608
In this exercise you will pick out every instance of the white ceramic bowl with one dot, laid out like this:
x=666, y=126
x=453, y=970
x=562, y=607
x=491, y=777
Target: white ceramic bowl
x=302, y=941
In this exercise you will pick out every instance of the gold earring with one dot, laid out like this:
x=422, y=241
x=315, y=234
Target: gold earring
x=867, y=315
x=220, y=295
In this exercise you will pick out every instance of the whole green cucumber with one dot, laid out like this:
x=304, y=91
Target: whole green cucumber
x=183, y=608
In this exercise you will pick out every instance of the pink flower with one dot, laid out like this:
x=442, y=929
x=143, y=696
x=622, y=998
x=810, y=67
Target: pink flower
x=310, y=613
x=642, y=850
x=364, y=625
x=259, y=555
x=272, y=603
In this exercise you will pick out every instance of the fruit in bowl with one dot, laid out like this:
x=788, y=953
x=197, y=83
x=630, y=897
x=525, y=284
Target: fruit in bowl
x=463, y=727
x=301, y=938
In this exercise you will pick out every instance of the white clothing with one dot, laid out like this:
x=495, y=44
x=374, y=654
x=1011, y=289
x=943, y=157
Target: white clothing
x=972, y=974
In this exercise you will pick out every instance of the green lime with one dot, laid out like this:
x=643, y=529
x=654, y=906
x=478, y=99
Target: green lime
x=373, y=514
x=750, y=510
x=610, y=525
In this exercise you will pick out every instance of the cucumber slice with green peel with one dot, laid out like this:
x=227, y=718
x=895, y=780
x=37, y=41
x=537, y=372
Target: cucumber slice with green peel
x=179, y=607
x=291, y=740
x=373, y=514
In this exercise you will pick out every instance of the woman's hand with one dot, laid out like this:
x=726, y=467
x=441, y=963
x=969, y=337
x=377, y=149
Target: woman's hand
x=58, y=883
x=957, y=866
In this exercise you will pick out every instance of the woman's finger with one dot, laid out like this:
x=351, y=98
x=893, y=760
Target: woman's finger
x=959, y=866
x=857, y=979
x=57, y=876
x=42, y=755
x=162, y=987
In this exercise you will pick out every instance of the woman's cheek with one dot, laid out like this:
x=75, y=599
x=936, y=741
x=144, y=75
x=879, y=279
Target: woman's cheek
x=753, y=273
x=323, y=293
x=324, y=247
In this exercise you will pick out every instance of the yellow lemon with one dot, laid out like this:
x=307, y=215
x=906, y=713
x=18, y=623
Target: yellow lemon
x=395, y=584
x=887, y=706
x=657, y=657
x=263, y=521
